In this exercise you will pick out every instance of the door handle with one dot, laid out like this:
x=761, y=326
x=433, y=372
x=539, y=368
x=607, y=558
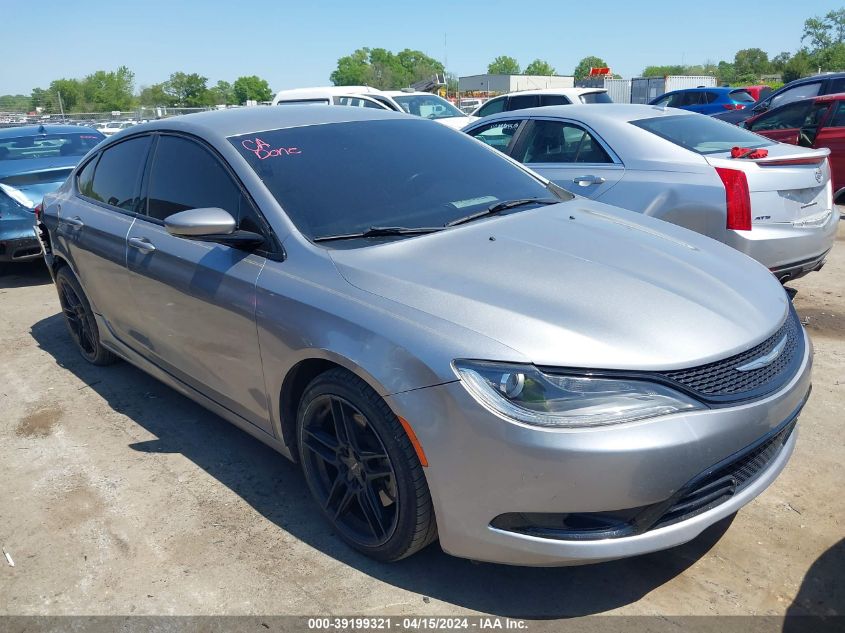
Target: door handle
x=584, y=181
x=142, y=244
x=74, y=221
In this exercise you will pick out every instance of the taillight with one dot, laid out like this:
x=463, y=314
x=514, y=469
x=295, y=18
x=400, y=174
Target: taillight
x=738, y=198
x=733, y=106
x=37, y=210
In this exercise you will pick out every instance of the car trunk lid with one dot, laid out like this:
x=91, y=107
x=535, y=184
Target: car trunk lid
x=789, y=185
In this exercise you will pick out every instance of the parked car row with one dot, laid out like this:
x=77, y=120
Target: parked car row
x=451, y=343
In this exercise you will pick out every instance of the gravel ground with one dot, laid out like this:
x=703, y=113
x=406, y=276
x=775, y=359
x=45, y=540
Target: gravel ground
x=121, y=497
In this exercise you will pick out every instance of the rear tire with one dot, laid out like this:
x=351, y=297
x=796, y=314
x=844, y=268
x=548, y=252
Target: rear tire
x=362, y=469
x=80, y=320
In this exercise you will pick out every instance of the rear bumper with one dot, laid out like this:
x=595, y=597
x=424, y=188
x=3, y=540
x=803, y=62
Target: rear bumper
x=787, y=248
x=19, y=246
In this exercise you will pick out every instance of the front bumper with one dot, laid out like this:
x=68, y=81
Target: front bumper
x=482, y=466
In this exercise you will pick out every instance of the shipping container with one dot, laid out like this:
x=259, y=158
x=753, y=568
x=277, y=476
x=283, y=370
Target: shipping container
x=644, y=89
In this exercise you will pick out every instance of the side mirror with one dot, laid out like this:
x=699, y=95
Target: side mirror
x=211, y=224
x=205, y=222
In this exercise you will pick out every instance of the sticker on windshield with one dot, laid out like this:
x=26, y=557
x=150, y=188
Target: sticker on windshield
x=471, y=202
x=263, y=150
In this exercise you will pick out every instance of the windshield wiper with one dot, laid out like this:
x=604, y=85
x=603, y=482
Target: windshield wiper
x=501, y=206
x=379, y=231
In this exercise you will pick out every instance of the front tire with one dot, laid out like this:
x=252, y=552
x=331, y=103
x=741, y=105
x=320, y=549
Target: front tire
x=361, y=468
x=80, y=320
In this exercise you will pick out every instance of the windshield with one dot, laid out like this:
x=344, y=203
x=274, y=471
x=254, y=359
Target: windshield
x=701, y=134
x=343, y=178
x=596, y=97
x=427, y=106
x=48, y=145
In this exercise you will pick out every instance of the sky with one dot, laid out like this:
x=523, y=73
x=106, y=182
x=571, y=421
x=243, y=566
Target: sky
x=297, y=44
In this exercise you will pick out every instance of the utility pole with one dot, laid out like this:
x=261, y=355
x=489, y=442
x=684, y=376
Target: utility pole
x=61, y=106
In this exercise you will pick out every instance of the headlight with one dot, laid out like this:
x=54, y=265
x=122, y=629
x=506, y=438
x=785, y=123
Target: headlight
x=525, y=394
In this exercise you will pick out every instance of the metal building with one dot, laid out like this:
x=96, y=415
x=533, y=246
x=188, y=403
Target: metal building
x=500, y=84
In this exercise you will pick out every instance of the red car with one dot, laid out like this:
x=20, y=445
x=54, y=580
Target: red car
x=758, y=92
x=815, y=122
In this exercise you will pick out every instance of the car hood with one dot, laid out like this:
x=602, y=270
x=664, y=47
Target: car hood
x=580, y=284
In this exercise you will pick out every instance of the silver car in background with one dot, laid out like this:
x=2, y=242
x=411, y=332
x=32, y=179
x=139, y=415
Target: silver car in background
x=677, y=166
x=450, y=345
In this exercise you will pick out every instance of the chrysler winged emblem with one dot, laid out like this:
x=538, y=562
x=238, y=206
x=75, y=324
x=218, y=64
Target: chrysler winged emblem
x=766, y=359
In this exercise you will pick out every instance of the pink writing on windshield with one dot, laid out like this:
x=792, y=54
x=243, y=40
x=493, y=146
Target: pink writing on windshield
x=263, y=150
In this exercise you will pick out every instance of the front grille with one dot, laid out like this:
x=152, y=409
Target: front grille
x=722, y=382
x=724, y=480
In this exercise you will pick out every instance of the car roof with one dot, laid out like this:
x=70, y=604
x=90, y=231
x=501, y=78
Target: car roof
x=35, y=130
x=554, y=91
x=593, y=114
x=221, y=124
x=403, y=93
x=318, y=91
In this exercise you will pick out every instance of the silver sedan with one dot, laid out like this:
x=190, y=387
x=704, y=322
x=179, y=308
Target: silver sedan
x=449, y=345
x=775, y=205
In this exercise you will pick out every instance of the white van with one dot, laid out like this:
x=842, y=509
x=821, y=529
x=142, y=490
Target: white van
x=357, y=96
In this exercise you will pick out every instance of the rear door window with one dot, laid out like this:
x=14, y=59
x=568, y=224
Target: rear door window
x=520, y=102
x=185, y=175
x=838, y=118
x=795, y=93
x=560, y=142
x=117, y=175
x=787, y=117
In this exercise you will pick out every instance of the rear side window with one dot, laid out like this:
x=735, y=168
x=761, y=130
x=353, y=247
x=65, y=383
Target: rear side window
x=701, y=134
x=85, y=177
x=117, y=174
x=552, y=100
x=492, y=107
x=838, y=119
x=185, y=175
x=596, y=97
x=709, y=97
x=520, y=102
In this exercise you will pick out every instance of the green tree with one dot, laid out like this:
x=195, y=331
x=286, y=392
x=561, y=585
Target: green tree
x=15, y=103
x=352, y=70
x=539, y=67
x=381, y=68
x=726, y=73
x=750, y=63
x=70, y=91
x=831, y=58
x=188, y=90
x=42, y=99
x=103, y=91
x=800, y=65
x=156, y=95
x=779, y=61
x=583, y=68
x=251, y=87
x=662, y=71
x=221, y=93
x=503, y=65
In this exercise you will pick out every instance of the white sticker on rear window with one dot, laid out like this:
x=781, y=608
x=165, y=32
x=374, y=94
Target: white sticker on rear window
x=471, y=202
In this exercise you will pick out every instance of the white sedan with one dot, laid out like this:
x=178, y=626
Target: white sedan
x=429, y=106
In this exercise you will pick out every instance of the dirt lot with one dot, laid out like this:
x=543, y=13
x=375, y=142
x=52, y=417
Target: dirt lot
x=121, y=497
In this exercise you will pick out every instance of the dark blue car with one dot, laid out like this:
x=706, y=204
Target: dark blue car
x=34, y=160
x=705, y=100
